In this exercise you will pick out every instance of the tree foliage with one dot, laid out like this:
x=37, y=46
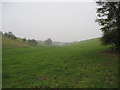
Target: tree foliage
x=108, y=17
x=10, y=35
x=30, y=41
x=33, y=42
x=48, y=42
x=24, y=39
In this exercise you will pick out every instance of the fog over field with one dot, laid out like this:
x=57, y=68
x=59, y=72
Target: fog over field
x=60, y=21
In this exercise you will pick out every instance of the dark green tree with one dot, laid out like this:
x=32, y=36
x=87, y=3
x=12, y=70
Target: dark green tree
x=108, y=17
x=10, y=35
x=6, y=34
x=32, y=42
x=24, y=39
x=48, y=42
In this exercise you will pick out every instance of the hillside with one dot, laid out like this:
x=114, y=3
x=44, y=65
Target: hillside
x=10, y=43
x=79, y=65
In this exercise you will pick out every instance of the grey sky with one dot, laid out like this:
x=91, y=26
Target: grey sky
x=60, y=21
x=0, y=16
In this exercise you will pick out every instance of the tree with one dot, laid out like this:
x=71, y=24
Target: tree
x=6, y=34
x=109, y=19
x=10, y=35
x=24, y=40
x=48, y=42
x=32, y=42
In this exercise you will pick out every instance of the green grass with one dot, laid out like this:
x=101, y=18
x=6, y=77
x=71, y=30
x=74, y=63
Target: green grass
x=80, y=65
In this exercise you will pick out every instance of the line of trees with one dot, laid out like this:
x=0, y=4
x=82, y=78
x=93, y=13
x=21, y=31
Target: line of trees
x=47, y=42
x=108, y=14
x=30, y=41
x=12, y=36
x=9, y=35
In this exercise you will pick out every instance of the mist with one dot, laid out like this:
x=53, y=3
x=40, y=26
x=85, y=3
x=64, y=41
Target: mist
x=60, y=21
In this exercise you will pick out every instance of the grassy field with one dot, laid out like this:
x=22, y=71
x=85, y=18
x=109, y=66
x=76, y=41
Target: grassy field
x=80, y=65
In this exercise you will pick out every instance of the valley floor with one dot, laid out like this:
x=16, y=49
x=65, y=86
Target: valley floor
x=80, y=65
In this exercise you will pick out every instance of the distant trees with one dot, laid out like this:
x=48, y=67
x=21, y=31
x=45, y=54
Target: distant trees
x=109, y=19
x=48, y=42
x=24, y=39
x=30, y=41
x=10, y=35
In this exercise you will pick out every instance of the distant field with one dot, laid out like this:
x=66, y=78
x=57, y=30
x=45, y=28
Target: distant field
x=80, y=65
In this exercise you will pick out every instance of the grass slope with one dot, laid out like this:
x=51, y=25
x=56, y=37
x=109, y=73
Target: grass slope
x=10, y=43
x=79, y=65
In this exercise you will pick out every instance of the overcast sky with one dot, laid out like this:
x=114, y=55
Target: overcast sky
x=60, y=21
